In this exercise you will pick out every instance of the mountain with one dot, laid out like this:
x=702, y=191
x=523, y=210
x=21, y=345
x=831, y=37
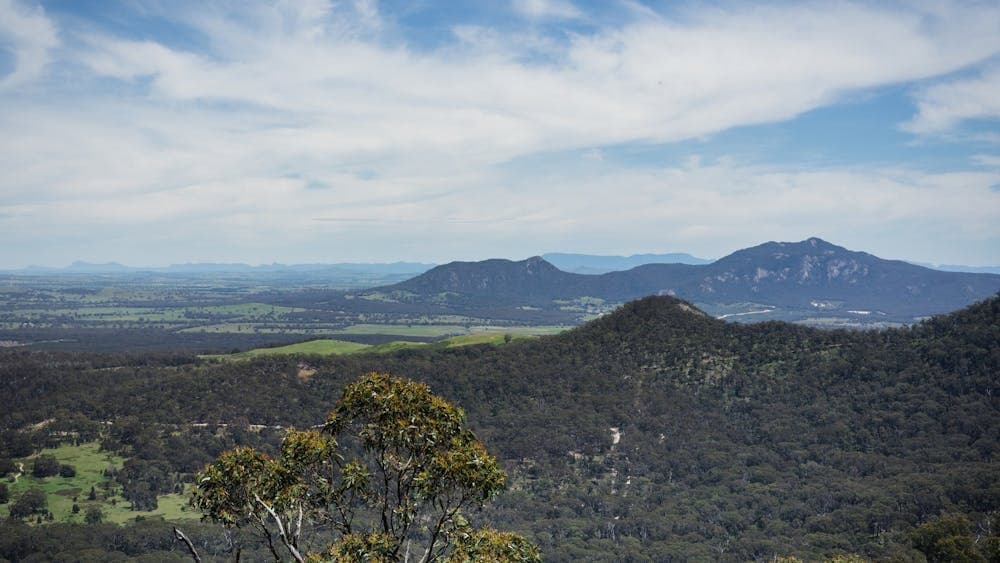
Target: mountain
x=595, y=264
x=496, y=278
x=793, y=281
x=654, y=433
x=533, y=282
x=814, y=273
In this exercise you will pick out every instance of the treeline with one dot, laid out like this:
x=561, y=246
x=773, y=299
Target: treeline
x=147, y=540
x=652, y=434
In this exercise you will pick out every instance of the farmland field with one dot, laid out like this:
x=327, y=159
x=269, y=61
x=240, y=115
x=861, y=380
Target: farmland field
x=325, y=347
x=90, y=464
x=222, y=315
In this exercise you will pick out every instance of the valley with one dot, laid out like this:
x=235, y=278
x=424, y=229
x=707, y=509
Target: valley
x=654, y=433
x=810, y=282
x=632, y=424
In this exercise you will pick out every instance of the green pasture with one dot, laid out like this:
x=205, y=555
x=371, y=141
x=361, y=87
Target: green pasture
x=90, y=464
x=496, y=339
x=528, y=330
x=253, y=327
x=479, y=335
x=158, y=314
x=324, y=347
x=428, y=330
x=394, y=346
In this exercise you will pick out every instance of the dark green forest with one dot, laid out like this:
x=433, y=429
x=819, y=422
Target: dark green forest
x=654, y=433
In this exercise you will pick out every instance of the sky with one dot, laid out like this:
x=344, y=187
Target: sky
x=151, y=132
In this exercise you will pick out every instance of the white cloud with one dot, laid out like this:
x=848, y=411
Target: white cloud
x=213, y=150
x=942, y=107
x=598, y=207
x=992, y=160
x=652, y=80
x=30, y=36
x=547, y=9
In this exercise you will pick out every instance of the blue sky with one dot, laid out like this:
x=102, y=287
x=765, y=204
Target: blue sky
x=152, y=132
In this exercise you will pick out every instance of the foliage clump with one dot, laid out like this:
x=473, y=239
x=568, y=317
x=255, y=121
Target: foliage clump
x=390, y=472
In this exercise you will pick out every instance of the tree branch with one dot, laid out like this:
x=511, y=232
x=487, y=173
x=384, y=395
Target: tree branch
x=281, y=530
x=298, y=529
x=179, y=535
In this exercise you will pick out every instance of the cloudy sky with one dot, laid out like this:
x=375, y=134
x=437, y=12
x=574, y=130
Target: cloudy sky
x=162, y=131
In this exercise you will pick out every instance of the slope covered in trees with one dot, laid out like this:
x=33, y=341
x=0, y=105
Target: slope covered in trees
x=655, y=433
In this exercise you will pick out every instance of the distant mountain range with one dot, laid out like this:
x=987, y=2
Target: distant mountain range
x=778, y=279
x=959, y=268
x=79, y=267
x=567, y=262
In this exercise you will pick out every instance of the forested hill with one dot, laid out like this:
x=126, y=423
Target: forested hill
x=802, y=279
x=497, y=279
x=655, y=433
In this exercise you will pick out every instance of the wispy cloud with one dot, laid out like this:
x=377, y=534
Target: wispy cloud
x=30, y=36
x=546, y=9
x=226, y=138
x=944, y=106
x=987, y=160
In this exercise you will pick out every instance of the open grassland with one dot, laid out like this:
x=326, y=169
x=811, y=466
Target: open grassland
x=323, y=347
x=479, y=335
x=404, y=330
x=533, y=330
x=90, y=463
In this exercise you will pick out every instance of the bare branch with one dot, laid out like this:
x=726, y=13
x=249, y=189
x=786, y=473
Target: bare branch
x=281, y=531
x=179, y=535
x=298, y=528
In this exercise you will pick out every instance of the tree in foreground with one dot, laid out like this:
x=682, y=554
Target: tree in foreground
x=387, y=475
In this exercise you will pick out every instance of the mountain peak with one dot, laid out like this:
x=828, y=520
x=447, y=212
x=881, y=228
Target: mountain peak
x=495, y=277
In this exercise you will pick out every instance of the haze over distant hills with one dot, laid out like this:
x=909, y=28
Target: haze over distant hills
x=211, y=267
x=796, y=281
x=960, y=268
x=567, y=262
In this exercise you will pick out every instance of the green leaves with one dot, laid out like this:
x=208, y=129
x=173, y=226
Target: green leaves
x=396, y=414
x=420, y=465
x=227, y=489
x=375, y=547
x=487, y=544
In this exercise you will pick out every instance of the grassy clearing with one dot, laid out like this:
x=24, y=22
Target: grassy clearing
x=404, y=330
x=90, y=464
x=474, y=335
x=534, y=330
x=480, y=338
x=322, y=347
x=394, y=346
x=255, y=327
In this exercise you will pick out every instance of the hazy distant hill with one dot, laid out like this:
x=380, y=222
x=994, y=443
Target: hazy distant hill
x=960, y=268
x=795, y=280
x=216, y=268
x=594, y=264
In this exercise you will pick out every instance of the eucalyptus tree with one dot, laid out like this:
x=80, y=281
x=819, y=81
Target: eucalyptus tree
x=387, y=475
